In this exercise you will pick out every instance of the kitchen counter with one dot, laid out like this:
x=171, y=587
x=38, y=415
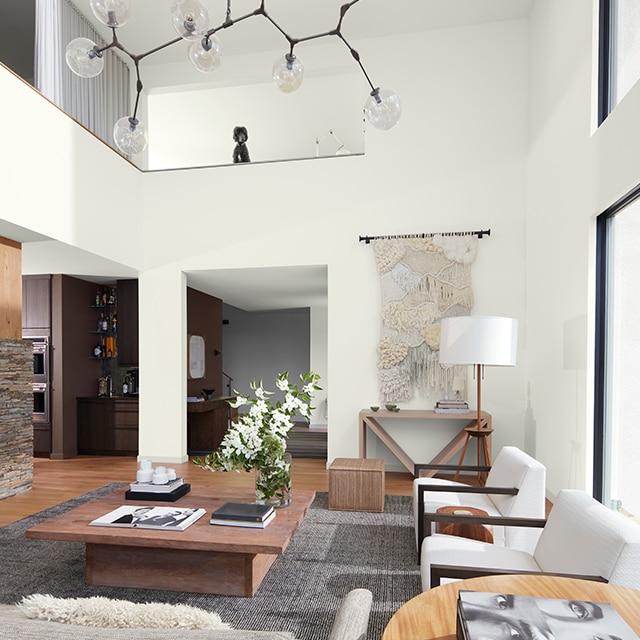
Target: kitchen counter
x=207, y=422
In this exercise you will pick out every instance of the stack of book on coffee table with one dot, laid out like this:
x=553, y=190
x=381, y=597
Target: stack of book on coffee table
x=168, y=492
x=241, y=514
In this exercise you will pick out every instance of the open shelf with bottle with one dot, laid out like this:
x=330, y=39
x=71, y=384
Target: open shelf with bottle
x=106, y=303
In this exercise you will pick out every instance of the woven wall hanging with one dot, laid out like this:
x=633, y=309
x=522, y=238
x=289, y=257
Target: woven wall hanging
x=422, y=280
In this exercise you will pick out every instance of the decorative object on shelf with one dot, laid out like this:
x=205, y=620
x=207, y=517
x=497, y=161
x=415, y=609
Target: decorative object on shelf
x=341, y=150
x=423, y=278
x=478, y=341
x=258, y=439
x=191, y=22
x=105, y=388
x=241, y=151
x=195, y=357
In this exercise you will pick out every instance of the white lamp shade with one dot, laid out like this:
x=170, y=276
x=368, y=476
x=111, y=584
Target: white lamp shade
x=487, y=340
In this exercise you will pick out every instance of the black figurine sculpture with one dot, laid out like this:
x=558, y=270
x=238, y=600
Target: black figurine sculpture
x=241, y=151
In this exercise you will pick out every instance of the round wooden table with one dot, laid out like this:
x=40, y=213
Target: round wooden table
x=432, y=614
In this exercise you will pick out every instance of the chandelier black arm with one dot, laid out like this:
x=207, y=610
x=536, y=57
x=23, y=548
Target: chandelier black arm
x=356, y=57
x=158, y=48
x=139, y=87
x=229, y=22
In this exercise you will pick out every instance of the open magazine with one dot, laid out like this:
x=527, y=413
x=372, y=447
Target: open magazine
x=147, y=517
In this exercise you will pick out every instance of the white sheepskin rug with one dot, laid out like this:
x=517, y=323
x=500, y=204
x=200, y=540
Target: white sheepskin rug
x=104, y=612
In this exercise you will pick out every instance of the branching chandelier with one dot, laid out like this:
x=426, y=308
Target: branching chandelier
x=191, y=22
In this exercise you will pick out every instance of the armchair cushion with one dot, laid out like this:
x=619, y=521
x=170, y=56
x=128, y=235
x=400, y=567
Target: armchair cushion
x=585, y=536
x=450, y=550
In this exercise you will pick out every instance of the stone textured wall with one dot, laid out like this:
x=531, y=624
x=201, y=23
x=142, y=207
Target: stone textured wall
x=16, y=416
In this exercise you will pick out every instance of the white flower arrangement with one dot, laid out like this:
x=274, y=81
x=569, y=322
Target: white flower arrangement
x=258, y=439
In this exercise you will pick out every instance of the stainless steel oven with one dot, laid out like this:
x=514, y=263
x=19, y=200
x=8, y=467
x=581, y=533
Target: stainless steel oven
x=40, y=402
x=40, y=359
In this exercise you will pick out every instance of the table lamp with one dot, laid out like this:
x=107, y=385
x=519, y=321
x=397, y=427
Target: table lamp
x=478, y=341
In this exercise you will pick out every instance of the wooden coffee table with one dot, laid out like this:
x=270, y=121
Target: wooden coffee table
x=204, y=558
x=432, y=614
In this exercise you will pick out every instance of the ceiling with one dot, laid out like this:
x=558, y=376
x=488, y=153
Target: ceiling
x=150, y=26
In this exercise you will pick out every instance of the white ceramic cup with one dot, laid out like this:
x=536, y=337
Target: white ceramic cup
x=144, y=475
x=171, y=472
x=160, y=476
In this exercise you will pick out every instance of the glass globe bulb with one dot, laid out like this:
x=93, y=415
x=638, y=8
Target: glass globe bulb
x=83, y=58
x=113, y=13
x=190, y=18
x=130, y=136
x=383, y=108
x=205, y=55
x=288, y=73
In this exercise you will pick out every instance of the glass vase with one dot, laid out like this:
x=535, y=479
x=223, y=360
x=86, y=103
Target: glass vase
x=273, y=482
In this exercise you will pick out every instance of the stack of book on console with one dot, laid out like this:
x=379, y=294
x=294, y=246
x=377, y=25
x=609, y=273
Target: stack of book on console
x=240, y=514
x=451, y=406
x=502, y=615
x=168, y=492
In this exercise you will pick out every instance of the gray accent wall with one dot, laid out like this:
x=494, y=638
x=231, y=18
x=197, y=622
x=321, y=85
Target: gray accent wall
x=261, y=345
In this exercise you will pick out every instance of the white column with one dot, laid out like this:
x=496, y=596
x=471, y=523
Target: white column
x=163, y=367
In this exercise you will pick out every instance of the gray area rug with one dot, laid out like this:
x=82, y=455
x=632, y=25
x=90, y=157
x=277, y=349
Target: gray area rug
x=331, y=553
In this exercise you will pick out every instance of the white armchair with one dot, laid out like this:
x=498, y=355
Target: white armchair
x=581, y=538
x=515, y=487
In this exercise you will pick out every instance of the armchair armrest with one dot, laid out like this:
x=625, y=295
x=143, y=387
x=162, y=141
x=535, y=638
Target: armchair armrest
x=428, y=518
x=439, y=571
x=457, y=489
x=447, y=467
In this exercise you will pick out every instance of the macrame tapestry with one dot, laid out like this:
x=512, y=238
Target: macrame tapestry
x=422, y=280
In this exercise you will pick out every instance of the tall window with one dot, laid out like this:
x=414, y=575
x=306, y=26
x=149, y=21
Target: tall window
x=617, y=444
x=619, y=51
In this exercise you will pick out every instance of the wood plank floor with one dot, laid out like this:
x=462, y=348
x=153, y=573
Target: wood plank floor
x=55, y=481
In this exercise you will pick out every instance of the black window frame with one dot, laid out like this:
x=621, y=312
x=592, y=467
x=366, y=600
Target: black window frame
x=603, y=255
x=606, y=58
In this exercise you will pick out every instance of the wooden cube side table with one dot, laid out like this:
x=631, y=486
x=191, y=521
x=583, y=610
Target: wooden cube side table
x=356, y=484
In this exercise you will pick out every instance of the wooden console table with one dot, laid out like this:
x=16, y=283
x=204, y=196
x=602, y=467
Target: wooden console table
x=369, y=419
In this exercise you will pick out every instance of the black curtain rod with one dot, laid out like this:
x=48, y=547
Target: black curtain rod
x=480, y=235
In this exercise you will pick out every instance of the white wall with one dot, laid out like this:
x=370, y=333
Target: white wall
x=573, y=174
x=455, y=161
x=497, y=132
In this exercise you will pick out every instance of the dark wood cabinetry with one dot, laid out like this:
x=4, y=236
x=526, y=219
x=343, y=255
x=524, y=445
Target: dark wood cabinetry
x=128, y=322
x=36, y=305
x=108, y=426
